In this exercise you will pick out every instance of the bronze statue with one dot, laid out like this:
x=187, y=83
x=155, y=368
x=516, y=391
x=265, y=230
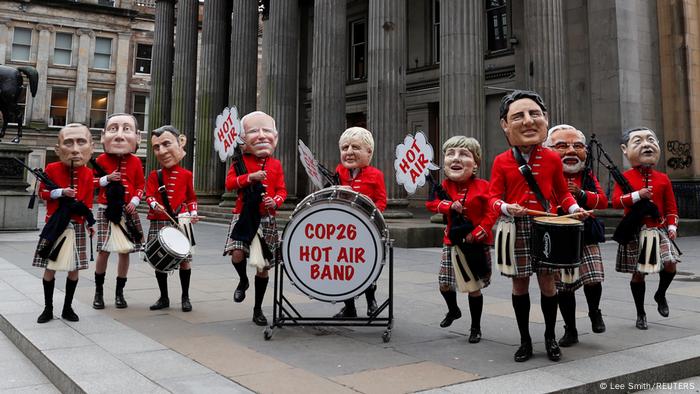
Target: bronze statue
x=11, y=86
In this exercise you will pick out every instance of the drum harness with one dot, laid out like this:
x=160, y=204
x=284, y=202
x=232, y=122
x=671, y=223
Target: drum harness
x=526, y=170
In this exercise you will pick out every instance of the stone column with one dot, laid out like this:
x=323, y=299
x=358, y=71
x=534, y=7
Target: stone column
x=211, y=99
x=123, y=59
x=280, y=79
x=329, y=73
x=39, y=111
x=4, y=37
x=244, y=56
x=386, y=83
x=161, y=72
x=80, y=110
x=185, y=74
x=462, y=103
x=545, y=54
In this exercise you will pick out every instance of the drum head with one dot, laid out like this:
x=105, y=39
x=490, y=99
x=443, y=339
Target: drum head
x=174, y=241
x=332, y=251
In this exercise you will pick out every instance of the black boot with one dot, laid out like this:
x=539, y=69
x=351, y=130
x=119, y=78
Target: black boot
x=185, y=284
x=163, y=301
x=260, y=288
x=521, y=306
x=638, y=289
x=476, y=305
x=665, y=279
x=567, y=307
x=549, y=310
x=68, y=312
x=371, y=301
x=47, y=314
x=99, y=302
x=453, y=311
x=119, y=300
x=593, y=293
x=243, y=284
x=348, y=310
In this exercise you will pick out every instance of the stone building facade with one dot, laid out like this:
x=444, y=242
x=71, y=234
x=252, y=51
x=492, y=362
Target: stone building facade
x=394, y=66
x=93, y=58
x=442, y=66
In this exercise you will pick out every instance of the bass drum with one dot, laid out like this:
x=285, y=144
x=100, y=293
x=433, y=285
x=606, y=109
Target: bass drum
x=334, y=245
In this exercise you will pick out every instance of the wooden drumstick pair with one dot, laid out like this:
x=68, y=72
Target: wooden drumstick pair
x=533, y=212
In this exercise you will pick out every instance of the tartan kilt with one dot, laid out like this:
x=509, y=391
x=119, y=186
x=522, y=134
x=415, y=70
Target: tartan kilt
x=268, y=224
x=103, y=228
x=80, y=249
x=153, y=230
x=447, y=272
x=525, y=267
x=590, y=271
x=627, y=255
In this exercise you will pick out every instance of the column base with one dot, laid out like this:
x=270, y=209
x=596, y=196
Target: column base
x=228, y=199
x=204, y=198
x=397, y=209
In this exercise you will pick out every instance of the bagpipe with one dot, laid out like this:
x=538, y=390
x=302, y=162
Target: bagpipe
x=246, y=228
x=468, y=259
x=57, y=238
x=631, y=224
x=123, y=234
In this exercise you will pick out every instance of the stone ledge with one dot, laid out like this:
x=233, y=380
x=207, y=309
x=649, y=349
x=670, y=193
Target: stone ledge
x=660, y=362
x=96, y=353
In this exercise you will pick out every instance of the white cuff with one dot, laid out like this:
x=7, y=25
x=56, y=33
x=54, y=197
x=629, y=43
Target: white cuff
x=635, y=197
x=136, y=201
x=504, y=209
x=153, y=204
x=193, y=213
x=673, y=228
x=104, y=181
x=56, y=193
x=574, y=208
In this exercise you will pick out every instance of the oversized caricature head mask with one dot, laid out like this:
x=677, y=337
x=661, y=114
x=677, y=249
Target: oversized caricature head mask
x=121, y=134
x=462, y=156
x=640, y=146
x=524, y=118
x=570, y=144
x=74, y=145
x=168, y=145
x=259, y=134
x=356, y=146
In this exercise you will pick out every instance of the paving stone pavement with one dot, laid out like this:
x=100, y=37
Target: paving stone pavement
x=217, y=348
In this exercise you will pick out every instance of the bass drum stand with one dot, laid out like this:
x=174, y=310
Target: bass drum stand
x=285, y=314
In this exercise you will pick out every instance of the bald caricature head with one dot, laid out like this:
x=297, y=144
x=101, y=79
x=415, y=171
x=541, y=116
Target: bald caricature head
x=259, y=134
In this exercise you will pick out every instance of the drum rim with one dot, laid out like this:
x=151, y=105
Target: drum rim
x=309, y=201
x=378, y=244
x=167, y=248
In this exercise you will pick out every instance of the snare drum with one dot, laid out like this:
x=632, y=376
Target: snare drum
x=166, y=251
x=557, y=241
x=334, y=245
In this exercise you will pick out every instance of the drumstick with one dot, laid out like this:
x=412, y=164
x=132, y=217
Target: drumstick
x=576, y=213
x=539, y=213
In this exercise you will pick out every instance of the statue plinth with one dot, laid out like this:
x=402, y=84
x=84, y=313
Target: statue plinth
x=14, y=197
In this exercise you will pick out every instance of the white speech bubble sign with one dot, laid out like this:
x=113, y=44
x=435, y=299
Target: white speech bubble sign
x=227, y=133
x=310, y=165
x=413, y=161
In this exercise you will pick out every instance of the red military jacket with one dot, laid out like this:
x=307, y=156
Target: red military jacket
x=662, y=195
x=132, y=175
x=508, y=185
x=60, y=175
x=369, y=181
x=475, y=207
x=274, y=183
x=178, y=187
x=592, y=199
